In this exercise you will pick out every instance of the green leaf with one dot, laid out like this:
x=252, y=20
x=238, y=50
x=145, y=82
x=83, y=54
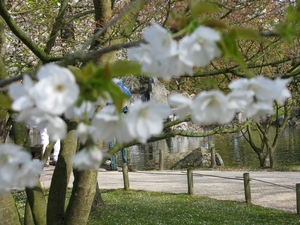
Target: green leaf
x=246, y=33
x=124, y=67
x=287, y=31
x=198, y=8
x=214, y=23
x=5, y=101
x=230, y=50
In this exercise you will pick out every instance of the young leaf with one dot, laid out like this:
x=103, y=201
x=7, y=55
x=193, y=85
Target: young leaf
x=198, y=8
x=5, y=102
x=124, y=67
x=214, y=23
x=246, y=33
x=230, y=49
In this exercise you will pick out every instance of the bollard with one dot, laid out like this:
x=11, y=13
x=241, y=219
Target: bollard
x=247, y=187
x=213, y=157
x=298, y=197
x=190, y=181
x=125, y=177
x=161, y=160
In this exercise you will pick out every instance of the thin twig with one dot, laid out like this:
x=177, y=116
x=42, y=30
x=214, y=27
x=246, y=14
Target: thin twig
x=109, y=24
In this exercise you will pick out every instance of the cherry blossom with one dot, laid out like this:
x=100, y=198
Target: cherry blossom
x=85, y=110
x=182, y=103
x=88, y=158
x=283, y=91
x=109, y=124
x=56, y=89
x=84, y=132
x=211, y=107
x=160, y=57
x=143, y=54
x=199, y=48
x=34, y=117
x=146, y=119
x=264, y=91
x=17, y=170
x=21, y=94
x=160, y=39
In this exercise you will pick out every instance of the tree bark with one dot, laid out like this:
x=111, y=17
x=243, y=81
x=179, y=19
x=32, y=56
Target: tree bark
x=82, y=197
x=35, y=196
x=28, y=219
x=61, y=177
x=2, y=42
x=8, y=211
x=98, y=201
x=56, y=26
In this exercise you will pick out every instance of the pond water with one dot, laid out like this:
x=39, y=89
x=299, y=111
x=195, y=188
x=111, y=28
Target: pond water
x=234, y=149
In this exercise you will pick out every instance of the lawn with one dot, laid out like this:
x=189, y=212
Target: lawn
x=153, y=208
x=145, y=208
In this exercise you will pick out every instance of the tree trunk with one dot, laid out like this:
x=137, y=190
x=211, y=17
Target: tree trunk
x=98, y=201
x=67, y=33
x=82, y=197
x=8, y=211
x=35, y=196
x=61, y=176
x=2, y=43
x=5, y=123
x=103, y=14
x=261, y=158
x=28, y=219
x=271, y=154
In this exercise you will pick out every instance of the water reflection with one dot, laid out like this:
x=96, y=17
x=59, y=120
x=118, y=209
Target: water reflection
x=233, y=148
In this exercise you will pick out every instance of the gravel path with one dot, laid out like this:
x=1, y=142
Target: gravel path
x=268, y=189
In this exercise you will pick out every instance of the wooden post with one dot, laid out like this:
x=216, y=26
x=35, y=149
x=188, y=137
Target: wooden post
x=190, y=181
x=213, y=157
x=125, y=177
x=298, y=197
x=247, y=187
x=161, y=160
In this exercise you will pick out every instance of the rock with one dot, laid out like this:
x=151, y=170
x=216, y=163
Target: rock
x=146, y=88
x=200, y=157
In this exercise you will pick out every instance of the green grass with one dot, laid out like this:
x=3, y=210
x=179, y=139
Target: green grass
x=153, y=208
x=145, y=208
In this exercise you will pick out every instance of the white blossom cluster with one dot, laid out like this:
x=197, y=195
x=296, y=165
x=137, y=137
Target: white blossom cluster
x=254, y=96
x=40, y=104
x=17, y=170
x=56, y=93
x=164, y=57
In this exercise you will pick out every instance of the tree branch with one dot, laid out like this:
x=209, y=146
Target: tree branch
x=109, y=24
x=21, y=35
x=56, y=26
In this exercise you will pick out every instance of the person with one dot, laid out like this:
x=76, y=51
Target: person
x=113, y=163
x=45, y=142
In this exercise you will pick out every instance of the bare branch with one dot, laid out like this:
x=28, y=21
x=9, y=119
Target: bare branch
x=21, y=35
x=109, y=24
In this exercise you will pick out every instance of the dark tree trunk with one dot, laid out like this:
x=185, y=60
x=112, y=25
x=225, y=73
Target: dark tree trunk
x=61, y=176
x=8, y=211
x=82, y=197
x=98, y=201
x=35, y=196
